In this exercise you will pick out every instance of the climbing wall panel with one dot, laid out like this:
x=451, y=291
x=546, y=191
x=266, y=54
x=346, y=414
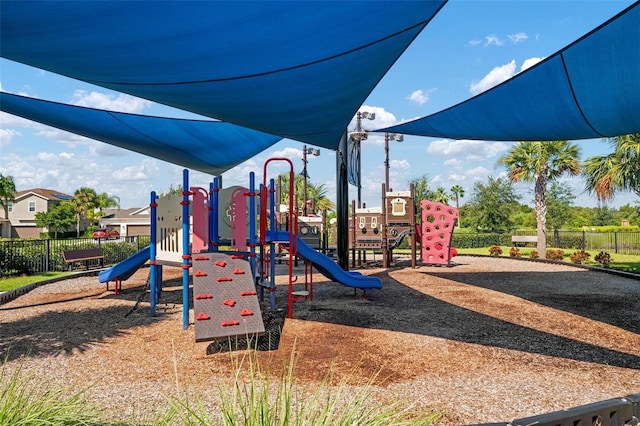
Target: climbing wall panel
x=437, y=228
x=225, y=302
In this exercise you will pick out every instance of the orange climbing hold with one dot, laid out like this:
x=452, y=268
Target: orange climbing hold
x=238, y=271
x=203, y=296
x=221, y=263
x=201, y=258
x=245, y=313
x=221, y=279
x=229, y=323
x=237, y=256
x=202, y=317
x=229, y=302
x=248, y=293
x=200, y=274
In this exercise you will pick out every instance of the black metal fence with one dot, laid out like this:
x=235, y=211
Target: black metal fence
x=612, y=242
x=35, y=256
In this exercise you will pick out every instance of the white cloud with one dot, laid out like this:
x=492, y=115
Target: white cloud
x=420, y=96
x=109, y=102
x=7, y=135
x=528, y=63
x=518, y=37
x=474, y=42
x=383, y=118
x=147, y=169
x=493, y=40
x=468, y=149
x=495, y=77
x=453, y=163
x=399, y=165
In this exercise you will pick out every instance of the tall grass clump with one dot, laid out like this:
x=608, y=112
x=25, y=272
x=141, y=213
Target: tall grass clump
x=23, y=403
x=253, y=398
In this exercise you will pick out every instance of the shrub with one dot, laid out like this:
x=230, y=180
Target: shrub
x=495, y=250
x=579, y=257
x=603, y=258
x=555, y=254
x=515, y=252
x=534, y=254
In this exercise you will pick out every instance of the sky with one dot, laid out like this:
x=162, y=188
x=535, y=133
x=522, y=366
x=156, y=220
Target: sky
x=469, y=47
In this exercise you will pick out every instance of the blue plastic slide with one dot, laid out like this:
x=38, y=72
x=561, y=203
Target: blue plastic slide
x=325, y=265
x=123, y=270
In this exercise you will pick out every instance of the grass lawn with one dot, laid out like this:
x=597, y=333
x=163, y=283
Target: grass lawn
x=11, y=283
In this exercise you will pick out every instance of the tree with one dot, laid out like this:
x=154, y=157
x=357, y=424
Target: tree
x=540, y=162
x=59, y=218
x=457, y=192
x=7, y=189
x=619, y=171
x=492, y=205
x=440, y=196
x=104, y=201
x=316, y=194
x=421, y=189
x=559, y=201
x=84, y=200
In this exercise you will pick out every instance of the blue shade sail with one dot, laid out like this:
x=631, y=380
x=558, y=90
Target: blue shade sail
x=208, y=146
x=297, y=69
x=590, y=89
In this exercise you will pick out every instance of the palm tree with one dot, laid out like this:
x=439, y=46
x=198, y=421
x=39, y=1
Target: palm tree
x=316, y=194
x=104, y=201
x=458, y=192
x=440, y=196
x=541, y=162
x=618, y=171
x=84, y=200
x=7, y=188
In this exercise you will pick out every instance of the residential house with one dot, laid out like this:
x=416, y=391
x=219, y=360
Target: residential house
x=129, y=222
x=22, y=212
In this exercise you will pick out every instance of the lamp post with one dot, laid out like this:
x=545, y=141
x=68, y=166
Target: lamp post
x=357, y=137
x=305, y=175
x=387, y=137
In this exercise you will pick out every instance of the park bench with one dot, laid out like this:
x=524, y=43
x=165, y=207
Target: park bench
x=524, y=239
x=83, y=255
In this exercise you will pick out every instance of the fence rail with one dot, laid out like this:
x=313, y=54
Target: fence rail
x=612, y=242
x=37, y=256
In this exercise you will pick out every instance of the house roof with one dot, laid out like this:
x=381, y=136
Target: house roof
x=47, y=194
x=121, y=213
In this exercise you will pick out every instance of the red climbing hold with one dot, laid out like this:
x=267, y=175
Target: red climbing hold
x=229, y=323
x=221, y=279
x=229, y=302
x=201, y=258
x=238, y=271
x=248, y=293
x=200, y=274
x=221, y=263
x=237, y=256
x=245, y=313
x=203, y=296
x=202, y=317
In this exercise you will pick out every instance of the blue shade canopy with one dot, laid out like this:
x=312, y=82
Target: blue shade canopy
x=297, y=69
x=590, y=89
x=208, y=146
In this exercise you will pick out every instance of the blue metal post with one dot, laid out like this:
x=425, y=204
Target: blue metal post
x=152, y=254
x=216, y=206
x=185, y=249
x=272, y=246
x=252, y=223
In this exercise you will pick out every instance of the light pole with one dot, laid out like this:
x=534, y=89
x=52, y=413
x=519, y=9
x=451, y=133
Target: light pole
x=387, y=137
x=357, y=137
x=305, y=175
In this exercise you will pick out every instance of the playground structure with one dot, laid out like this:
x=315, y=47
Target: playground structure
x=188, y=232
x=384, y=228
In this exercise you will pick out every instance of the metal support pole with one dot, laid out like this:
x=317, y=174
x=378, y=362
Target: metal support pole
x=342, y=204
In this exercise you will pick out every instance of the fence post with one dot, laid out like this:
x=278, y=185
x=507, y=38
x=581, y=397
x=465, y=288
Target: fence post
x=556, y=238
x=615, y=241
x=584, y=240
x=47, y=256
